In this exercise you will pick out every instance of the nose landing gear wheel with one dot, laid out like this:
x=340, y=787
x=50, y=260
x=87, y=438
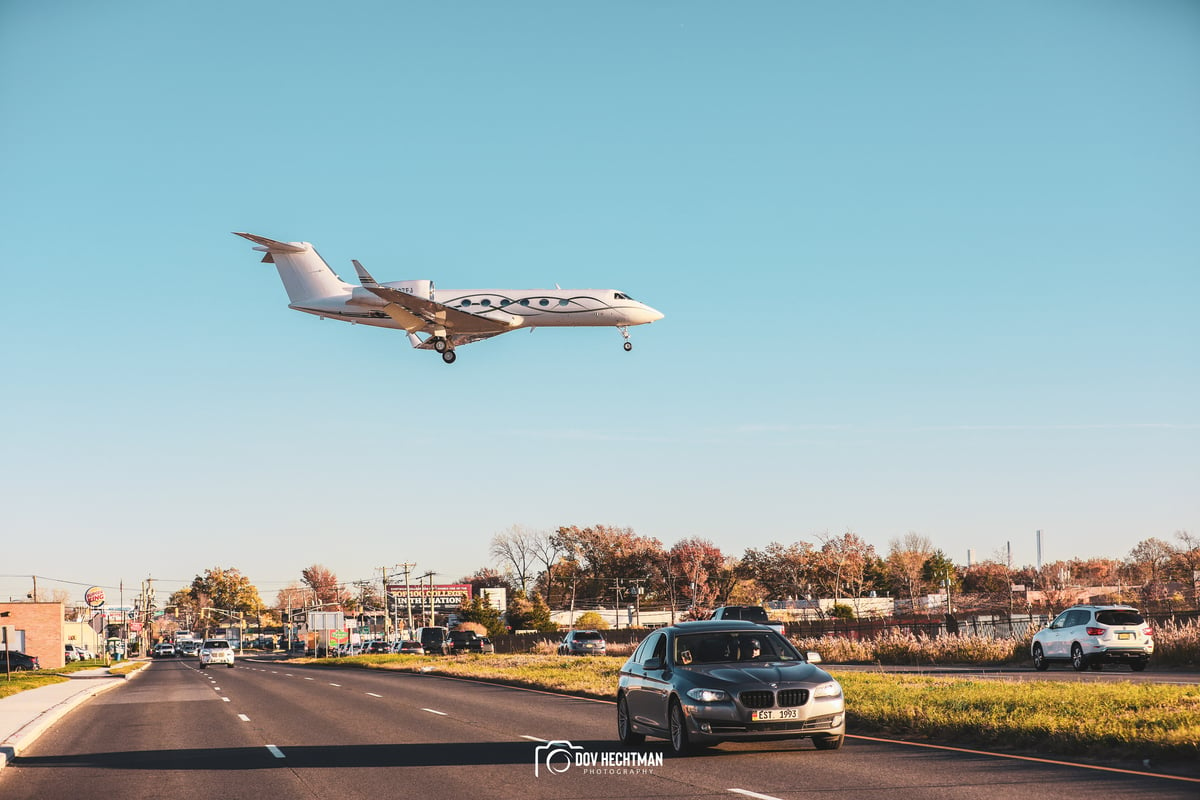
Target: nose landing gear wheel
x=448, y=356
x=628, y=346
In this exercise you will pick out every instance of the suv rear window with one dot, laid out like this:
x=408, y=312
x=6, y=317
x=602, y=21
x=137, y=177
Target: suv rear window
x=591, y=636
x=1119, y=618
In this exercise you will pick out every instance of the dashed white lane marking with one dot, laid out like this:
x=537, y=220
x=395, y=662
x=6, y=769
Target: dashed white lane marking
x=439, y=713
x=747, y=793
x=372, y=694
x=336, y=684
x=308, y=679
x=243, y=718
x=534, y=739
x=275, y=751
x=226, y=699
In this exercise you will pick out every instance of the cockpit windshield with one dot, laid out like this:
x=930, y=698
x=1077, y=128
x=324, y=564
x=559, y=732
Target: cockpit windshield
x=622, y=296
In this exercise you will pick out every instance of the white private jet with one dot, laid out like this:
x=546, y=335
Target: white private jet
x=448, y=317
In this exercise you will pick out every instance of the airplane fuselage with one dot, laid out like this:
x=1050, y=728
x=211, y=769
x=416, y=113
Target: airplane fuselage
x=520, y=308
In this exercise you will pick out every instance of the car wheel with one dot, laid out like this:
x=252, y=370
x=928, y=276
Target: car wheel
x=1039, y=659
x=625, y=730
x=828, y=742
x=202, y=665
x=1138, y=666
x=1078, y=661
x=677, y=724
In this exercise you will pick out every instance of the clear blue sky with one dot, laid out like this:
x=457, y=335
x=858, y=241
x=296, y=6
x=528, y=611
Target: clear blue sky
x=925, y=267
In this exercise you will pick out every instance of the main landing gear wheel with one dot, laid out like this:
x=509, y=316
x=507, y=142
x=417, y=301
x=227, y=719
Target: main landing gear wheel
x=439, y=344
x=448, y=356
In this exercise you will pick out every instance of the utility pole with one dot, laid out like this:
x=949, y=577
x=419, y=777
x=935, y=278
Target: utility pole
x=637, y=599
x=616, y=604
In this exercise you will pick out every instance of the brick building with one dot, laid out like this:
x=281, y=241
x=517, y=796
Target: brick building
x=36, y=629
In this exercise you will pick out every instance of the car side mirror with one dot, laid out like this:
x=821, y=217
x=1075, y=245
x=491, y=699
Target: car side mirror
x=813, y=657
x=654, y=663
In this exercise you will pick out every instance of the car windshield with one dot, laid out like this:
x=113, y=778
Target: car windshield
x=216, y=645
x=1121, y=617
x=733, y=646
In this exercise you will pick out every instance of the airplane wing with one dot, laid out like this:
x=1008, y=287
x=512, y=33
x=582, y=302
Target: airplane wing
x=414, y=313
x=433, y=314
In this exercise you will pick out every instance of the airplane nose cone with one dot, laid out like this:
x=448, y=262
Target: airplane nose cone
x=653, y=314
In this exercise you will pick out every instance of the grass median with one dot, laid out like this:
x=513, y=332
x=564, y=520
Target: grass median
x=1106, y=721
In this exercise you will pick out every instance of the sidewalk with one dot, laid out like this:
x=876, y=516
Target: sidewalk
x=26, y=715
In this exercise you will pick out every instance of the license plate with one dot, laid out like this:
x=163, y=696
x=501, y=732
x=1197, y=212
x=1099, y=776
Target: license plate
x=775, y=715
x=1124, y=635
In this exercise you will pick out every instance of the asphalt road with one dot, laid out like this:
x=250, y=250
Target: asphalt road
x=267, y=730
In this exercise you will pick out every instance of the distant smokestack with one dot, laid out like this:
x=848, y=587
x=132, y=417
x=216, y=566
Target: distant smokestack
x=1008, y=545
x=1039, y=551
x=970, y=558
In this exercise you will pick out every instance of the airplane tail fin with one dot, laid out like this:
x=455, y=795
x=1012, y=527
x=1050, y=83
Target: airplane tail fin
x=304, y=273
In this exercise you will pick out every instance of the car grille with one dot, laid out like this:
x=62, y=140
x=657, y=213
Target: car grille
x=793, y=697
x=757, y=699
x=786, y=698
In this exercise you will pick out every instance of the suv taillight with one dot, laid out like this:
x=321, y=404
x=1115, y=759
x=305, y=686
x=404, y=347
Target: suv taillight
x=1095, y=631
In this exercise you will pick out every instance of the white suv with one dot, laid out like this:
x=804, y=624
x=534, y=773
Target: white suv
x=1089, y=636
x=216, y=651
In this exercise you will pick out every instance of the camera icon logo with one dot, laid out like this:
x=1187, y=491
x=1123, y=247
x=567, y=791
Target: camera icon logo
x=556, y=756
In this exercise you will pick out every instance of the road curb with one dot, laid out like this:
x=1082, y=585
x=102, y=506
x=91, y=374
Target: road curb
x=26, y=735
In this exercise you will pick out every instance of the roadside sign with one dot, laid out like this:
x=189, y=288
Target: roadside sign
x=94, y=597
x=339, y=637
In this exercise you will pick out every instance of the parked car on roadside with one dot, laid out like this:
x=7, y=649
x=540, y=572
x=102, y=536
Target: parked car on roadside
x=72, y=653
x=470, y=642
x=1090, y=636
x=435, y=640
x=216, y=651
x=583, y=643
x=698, y=683
x=16, y=661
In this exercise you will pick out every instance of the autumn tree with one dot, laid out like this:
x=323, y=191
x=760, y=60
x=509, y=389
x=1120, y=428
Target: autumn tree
x=220, y=590
x=842, y=564
x=690, y=572
x=781, y=570
x=487, y=578
x=906, y=564
x=323, y=584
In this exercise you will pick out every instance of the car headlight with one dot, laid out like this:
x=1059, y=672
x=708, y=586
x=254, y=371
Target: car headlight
x=831, y=689
x=707, y=695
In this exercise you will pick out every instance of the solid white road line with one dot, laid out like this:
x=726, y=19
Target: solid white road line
x=747, y=793
x=275, y=751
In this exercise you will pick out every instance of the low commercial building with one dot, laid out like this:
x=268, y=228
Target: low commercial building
x=36, y=629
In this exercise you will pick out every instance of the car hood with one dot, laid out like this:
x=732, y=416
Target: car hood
x=773, y=672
